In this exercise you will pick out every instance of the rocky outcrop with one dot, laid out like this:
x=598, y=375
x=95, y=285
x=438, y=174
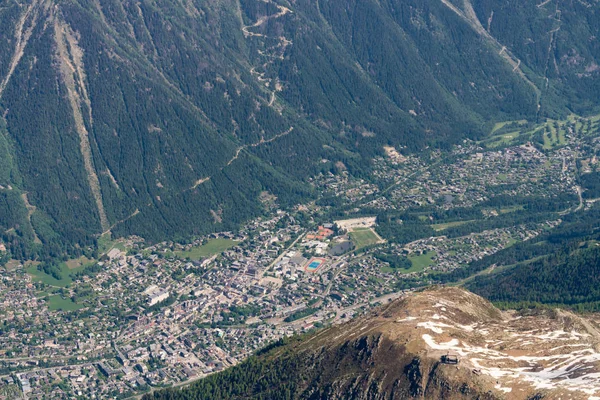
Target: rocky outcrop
x=440, y=343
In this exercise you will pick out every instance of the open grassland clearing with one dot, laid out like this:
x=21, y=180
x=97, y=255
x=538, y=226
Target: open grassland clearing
x=80, y=262
x=503, y=139
x=446, y=225
x=209, y=249
x=57, y=302
x=389, y=270
x=555, y=134
x=500, y=125
x=420, y=262
x=106, y=244
x=507, y=210
x=65, y=272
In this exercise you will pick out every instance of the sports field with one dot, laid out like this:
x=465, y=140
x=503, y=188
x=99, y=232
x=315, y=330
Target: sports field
x=364, y=237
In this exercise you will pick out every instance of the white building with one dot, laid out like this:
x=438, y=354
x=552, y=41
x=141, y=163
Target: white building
x=157, y=297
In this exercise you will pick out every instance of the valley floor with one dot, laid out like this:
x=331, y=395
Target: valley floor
x=144, y=315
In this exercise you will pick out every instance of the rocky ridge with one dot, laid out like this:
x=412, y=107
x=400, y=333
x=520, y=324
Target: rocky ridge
x=439, y=343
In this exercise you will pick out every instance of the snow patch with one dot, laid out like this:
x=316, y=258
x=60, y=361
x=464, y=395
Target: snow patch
x=504, y=389
x=451, y=345
x=407, y=319
x=434, y=326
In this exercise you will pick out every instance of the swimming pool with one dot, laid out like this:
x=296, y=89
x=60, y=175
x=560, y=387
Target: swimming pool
x=314, y=264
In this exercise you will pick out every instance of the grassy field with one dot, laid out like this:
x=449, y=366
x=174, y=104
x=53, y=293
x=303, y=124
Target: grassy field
x=417, y=266
x=555, y=137
x=212, y=247
x=507, y=210
x=40, y=276
x=421, y=262
x=441, y=227
x=501, y=140
x=363, y=237
x=552, y=139
x=501, y=125
x=79, y=263
x=65, y=271
x=56, y=302
x=106, y=244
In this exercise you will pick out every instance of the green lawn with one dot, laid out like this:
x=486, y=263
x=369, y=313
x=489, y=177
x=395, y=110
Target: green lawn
x=79, y=264
x=106, y=244
x=501, y=139
x=56, y=302
x=511, y=209
x=386, y=269
x=212, y=247
x=547, y=163
x=500, y=125
x=419, y=263
x=40, y=276
x=65, y=271
x=555, y=137
x=363, y=237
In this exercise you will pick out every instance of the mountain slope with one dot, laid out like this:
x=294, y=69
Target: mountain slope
x=152, y=117
x=561, y=278
x=396, y=353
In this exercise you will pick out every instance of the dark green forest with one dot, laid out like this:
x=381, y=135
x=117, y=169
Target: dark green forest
x=569, y=279
x=559, y=267
x=255, y=378
x=193, y=111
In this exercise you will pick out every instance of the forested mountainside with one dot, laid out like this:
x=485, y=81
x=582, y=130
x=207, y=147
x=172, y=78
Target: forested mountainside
x=558, y=268
x=167, y=119
x=562, y=278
